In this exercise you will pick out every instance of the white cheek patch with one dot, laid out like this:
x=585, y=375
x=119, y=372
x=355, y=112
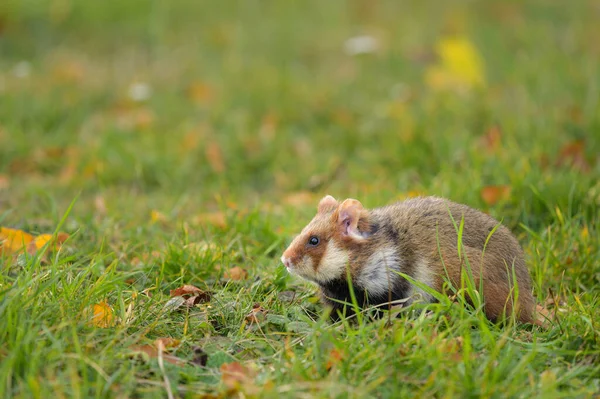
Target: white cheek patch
x=423, y=274
x=377, y=275
x=333, y=263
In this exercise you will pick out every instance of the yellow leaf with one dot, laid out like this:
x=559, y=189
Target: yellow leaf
x=102, y=315
x=460, y=66
x=13, y=240
x=41, y=240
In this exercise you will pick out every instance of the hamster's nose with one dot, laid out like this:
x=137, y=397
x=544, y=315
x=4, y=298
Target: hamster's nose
x=286, y=261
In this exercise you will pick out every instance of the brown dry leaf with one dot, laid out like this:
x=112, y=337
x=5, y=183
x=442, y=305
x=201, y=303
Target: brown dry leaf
x=573, y=154
x=493, y=194
x=236, y=273
x=192, y=295
x=214, y=156
x=186, y=289
x=335, y=357
x=235, y=375
x=257, y=314
x=102, y=315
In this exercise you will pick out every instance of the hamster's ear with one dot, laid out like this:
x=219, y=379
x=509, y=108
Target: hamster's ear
x=328, y=203
x=349, y=216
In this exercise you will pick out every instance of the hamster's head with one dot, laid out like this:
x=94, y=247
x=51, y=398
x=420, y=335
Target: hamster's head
x=323, y=249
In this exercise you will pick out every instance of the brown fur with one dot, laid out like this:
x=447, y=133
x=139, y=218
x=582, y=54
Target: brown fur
x=421, y=232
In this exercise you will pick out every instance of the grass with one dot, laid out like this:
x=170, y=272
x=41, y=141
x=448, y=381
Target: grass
x=194, y=137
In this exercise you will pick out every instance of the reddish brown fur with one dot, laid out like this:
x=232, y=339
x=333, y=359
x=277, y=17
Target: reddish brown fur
x=423, y=234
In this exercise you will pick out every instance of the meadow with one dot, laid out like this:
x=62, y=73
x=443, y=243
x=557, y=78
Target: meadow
x=166, y=144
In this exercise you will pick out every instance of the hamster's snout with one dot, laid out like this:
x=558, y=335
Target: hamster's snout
x=286, y=261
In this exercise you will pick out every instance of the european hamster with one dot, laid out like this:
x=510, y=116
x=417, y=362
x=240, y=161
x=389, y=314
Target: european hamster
x=417, y=237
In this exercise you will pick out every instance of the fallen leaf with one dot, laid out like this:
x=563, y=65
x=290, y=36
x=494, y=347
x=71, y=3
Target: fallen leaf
x=257, y=314
x=235, y=375
x=102, y=315
x=335, y=357
x=13, y=240
x=187, y=289
x=493, y=194
x=460, y=66
x=235, y=273
x=191, y=296
x=174, y=303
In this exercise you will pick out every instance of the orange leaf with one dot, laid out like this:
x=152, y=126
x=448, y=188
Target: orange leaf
x=493, y=194
x=13, y=240
x=335, y=357
x=102, y=315
x=235, y=273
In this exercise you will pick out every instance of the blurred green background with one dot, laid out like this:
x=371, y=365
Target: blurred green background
x=253, y=99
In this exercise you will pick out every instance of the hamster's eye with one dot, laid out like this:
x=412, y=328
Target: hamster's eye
x=313, y=241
